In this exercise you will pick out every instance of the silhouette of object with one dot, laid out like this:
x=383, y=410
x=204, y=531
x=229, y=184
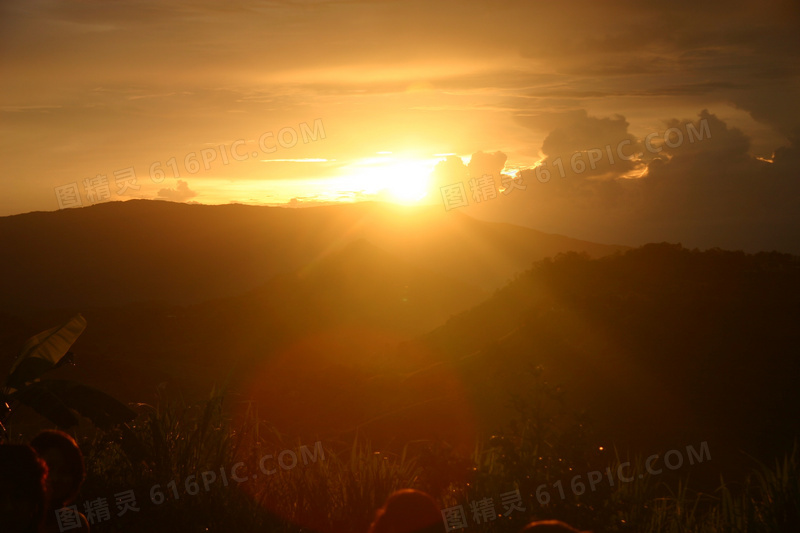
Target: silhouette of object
x=408, y=511
x=66, y=473
x=550, y=526
x=23, y=497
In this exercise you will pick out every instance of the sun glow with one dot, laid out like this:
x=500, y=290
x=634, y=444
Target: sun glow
x=386, y=177
x=394, y=178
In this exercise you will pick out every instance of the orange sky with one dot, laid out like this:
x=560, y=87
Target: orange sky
x=347, y=101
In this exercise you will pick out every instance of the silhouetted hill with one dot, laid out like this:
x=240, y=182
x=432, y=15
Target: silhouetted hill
x=121, y=252
x=659, y=346
x=313, y=313
x=363, y=286
x=655, y=348
x=354, y=302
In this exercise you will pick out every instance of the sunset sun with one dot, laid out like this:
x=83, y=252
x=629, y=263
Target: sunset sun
x=391, y=177
x=406, y=179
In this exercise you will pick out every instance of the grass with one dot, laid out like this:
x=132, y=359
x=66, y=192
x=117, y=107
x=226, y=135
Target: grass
x=163, y=456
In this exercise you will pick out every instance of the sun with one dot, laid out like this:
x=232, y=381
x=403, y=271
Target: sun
x=407, y=180
x=400, y=178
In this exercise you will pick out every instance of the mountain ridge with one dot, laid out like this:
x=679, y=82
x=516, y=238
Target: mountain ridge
x=139, y=250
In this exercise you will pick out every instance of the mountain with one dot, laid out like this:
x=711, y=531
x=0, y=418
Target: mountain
x=123, y=252
x=372, y=319
x=648, y=349
x=193, y=296
x=657, y=347
x=355, y=301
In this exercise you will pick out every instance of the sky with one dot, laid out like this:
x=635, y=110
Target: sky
x=616, y=122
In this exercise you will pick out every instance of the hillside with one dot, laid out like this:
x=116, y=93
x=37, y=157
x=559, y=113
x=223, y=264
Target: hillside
x=122, y=252
x=354, y=303
x=659, y=346
x=652, y=347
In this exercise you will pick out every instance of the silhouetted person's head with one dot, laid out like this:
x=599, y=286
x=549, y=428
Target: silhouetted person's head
x=65, y=463
x=23, y=476
x=408, y=511
x=549, y=526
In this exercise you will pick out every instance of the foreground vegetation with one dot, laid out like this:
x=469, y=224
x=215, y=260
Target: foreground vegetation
x=659, y=346
x=183, y=471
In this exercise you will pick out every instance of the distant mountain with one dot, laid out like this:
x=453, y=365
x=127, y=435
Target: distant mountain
x=137, y=251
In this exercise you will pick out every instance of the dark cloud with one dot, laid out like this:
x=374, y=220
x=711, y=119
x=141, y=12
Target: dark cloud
x=589, y=147
x=715, y=192
x=700, y=186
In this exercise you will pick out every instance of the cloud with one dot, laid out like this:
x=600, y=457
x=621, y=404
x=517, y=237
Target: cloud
x=699, y=185
x=595, y=142
x=451, y=170
x=716, y=193
x=482, y=164
x=179, y=194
